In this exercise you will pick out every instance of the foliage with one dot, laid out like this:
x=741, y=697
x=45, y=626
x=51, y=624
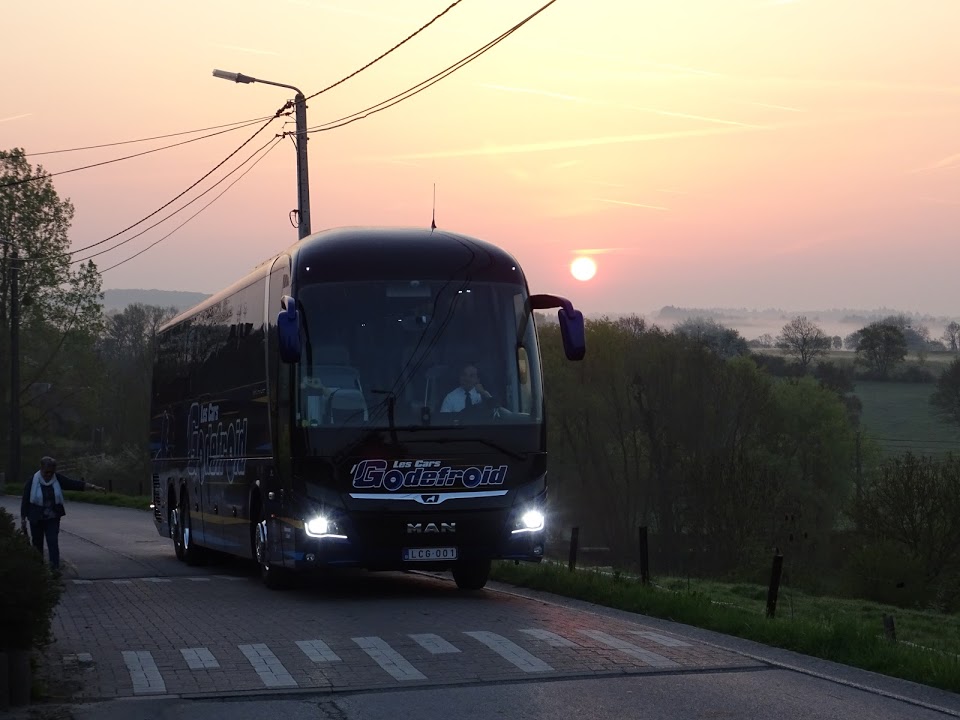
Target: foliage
x=60, y=303
x=946, y=398
x=28, y=591
x=951, y=336
x=915, y=502
x=804, y=340
x=880, y=348
x=722, y=340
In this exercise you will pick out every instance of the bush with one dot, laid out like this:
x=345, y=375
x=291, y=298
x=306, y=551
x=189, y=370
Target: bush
x=28, y=591
x=884, y=572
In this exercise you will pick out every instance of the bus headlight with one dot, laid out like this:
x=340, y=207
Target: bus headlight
x=530, y=521
x=322, y=527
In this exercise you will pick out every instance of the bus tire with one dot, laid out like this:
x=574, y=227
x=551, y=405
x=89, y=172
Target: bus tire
x=192, y=553
x=173, y=521
x=275, y=578
x=472, y=575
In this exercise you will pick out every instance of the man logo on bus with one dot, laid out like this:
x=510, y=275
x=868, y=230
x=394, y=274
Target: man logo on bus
x=373, y=474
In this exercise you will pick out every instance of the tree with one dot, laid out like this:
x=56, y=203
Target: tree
x=881, y=348
x=803, y=340
x=852, y=341
x=946, y=398
x=725, y=342
x=837, y=342
x=53, y=295
x=951, y=336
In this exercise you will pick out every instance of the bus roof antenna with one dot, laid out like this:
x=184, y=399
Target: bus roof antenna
x=433, y=219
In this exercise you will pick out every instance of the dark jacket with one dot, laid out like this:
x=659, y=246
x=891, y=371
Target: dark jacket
x=34, y=513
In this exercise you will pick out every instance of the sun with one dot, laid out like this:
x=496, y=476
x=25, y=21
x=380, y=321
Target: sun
x=583, y=268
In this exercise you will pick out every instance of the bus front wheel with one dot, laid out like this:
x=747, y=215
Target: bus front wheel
x=472, y=575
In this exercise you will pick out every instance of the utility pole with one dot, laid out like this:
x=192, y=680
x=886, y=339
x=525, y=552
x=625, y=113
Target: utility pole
x=14, y=460
x=303, y=176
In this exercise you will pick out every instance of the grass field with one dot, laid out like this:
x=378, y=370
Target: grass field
x=845, y=631
x=138, y=502
x=899, y=417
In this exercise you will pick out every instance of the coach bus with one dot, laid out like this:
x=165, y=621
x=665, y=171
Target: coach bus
x=369, y=397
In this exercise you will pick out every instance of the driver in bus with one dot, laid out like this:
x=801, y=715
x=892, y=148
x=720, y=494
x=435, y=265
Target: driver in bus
x=470, y=392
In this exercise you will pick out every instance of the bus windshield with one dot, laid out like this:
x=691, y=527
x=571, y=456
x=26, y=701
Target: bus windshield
x=417, y=353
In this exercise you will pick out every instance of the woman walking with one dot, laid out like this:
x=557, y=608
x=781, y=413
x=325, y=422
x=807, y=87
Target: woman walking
x=42, y=507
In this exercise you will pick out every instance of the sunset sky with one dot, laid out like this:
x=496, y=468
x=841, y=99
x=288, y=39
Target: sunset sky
x=735, y=153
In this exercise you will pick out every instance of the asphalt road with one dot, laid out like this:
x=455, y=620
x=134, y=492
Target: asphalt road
x=139, y=634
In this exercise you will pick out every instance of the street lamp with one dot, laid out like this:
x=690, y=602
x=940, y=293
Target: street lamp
x=303, y=177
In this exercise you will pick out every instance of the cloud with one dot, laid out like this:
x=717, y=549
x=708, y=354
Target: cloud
x=787, y=108
x=492, y=149
x=253, y=51
x=951, y=161
x=688, y=116
x=532, y=91
x=632, y=204
x=15, y=117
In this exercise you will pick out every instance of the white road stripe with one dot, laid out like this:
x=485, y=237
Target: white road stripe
x=318, y=651
x=510, y=651
x=630, y=649
x=388, y=658
x=268, y=667
x=122, y=582
x=85, y=657
x=156, y=580
x=434, y=644
x=228, y=577
x=664, y=640
x=199, y=658
x=143, y=672
x=199, y=579
x=550, y=638
x=83, y=582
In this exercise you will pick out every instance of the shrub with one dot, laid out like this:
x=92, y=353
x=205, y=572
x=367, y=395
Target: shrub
x=28, y=591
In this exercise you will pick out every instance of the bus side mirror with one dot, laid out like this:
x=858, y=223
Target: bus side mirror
x=288, y=331
x=571, y=323
x=572, y=332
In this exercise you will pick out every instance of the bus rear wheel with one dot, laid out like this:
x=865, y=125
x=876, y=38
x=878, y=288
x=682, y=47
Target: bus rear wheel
x=472, y=574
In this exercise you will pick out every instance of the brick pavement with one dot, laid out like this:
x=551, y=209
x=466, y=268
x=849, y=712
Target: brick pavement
x=219, y=634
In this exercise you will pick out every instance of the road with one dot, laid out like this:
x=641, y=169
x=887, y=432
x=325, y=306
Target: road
x=134, y=624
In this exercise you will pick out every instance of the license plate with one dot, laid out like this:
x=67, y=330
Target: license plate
x=427, y=554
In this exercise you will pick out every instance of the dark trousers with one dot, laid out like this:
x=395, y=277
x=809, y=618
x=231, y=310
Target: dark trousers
x=49, y=529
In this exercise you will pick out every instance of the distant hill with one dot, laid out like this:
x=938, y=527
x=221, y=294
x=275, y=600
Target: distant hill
x=117, y=300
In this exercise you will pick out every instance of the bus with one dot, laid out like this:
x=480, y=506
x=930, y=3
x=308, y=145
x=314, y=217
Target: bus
x=368, y=398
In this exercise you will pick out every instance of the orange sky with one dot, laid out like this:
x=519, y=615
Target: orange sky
x=739, y=153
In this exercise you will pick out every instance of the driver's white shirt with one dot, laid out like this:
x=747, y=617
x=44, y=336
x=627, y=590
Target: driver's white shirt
x=455, y=400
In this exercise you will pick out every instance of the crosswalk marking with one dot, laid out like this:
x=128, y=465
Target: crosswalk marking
x=199, y=579
x=268, y=667
x=630, y=649
x=156, y=580
x=664, y=640
x=388, y=658
x=510, y=651
x=434, y=644
x=143, y=672
x=122, y=582
x=552, y=639
x=318, y=651
x=199, y=658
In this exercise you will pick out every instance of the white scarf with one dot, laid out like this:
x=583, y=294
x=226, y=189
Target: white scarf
x=36, y=494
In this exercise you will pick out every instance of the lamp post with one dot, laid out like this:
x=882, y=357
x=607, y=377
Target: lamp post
x=303, y=176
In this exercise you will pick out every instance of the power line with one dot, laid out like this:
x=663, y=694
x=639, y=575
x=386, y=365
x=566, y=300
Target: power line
x=383, y=55
x=423, y=85
x=178, y=210
x=242, y=123
x=34, y=178
x=275, y=142
x=167, y=204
